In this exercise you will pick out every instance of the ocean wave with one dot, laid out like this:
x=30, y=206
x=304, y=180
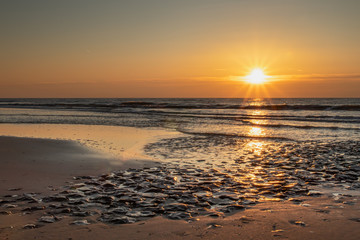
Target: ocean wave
x=214, y=134
x=299, y=126
x=245, y=117
x=114, y=104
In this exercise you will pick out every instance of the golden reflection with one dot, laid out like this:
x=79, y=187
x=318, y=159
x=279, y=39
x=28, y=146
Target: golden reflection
x=256, y=132
x=259, y=119
x=258, y=122
x=256, y=112
x=255, y=147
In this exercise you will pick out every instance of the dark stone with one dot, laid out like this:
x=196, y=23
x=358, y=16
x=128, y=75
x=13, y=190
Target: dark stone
x=216, y=214
x=119, y=210
x=55, y=199
x=104, y=199
x=121, y=220
x=33, y=208
x=81, y=214
x=179, y=215
x=355, y=219
x=48, y=219
x=30, y=226
x=299, y=223
x=14, y=189
x=109, y=185
x=140, y=214
x=59, y=211
x=75, y=195
x=5, y=212
x=232, y=208
x=176, y=207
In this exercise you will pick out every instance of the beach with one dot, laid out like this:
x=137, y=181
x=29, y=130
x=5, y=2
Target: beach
x=173, y=178
x=324, y=217
x=180, y=120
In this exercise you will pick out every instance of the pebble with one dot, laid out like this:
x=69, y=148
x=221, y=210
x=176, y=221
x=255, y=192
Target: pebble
x=355, y=219
x=314, y=193
x=61, y=210
x=245, y=219
x=48, y=219
x=30, y=226
x=14, y=189
x=213, y=225
x=283, y=171
x=119, y=210
x=55, y=199
x=104, y=199
x=80, y=222
x=81, y=214
x=140, y=214
x=179, y=215
x=232, y=208
x=121, y=220
x=299, y=223
x=33, y=208
x=176, y=207
x=5, y=212
x=10, y=206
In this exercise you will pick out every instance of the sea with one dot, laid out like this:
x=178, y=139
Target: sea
x=214, y=129
x=228, y=154
x=299, y=119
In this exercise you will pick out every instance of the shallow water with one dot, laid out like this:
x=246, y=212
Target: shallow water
x=120, y=143
x=225, y=133
x=294, y=119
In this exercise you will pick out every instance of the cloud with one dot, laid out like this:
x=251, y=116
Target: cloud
x=319, y=77
x=306, y=77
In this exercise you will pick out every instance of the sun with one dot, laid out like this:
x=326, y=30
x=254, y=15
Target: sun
x=256, y=76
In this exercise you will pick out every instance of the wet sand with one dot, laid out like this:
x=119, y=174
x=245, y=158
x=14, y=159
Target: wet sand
x=323, y=219
x=39, y=165
x=120, y=143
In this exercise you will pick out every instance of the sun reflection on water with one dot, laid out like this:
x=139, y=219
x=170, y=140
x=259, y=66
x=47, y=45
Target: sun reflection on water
x=255, y=147
x=256, y=128
x=258, y=122
x=256, y=132
x=256, y=102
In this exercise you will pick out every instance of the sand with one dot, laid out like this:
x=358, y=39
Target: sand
x=42, y=165
x=119, y=142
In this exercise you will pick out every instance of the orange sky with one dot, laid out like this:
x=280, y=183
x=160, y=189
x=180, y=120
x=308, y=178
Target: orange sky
x=182, y=48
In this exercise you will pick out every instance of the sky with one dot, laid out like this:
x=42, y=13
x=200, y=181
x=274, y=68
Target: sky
x=179, y=48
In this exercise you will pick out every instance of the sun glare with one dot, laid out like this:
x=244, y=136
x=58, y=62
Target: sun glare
x=256, y=76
